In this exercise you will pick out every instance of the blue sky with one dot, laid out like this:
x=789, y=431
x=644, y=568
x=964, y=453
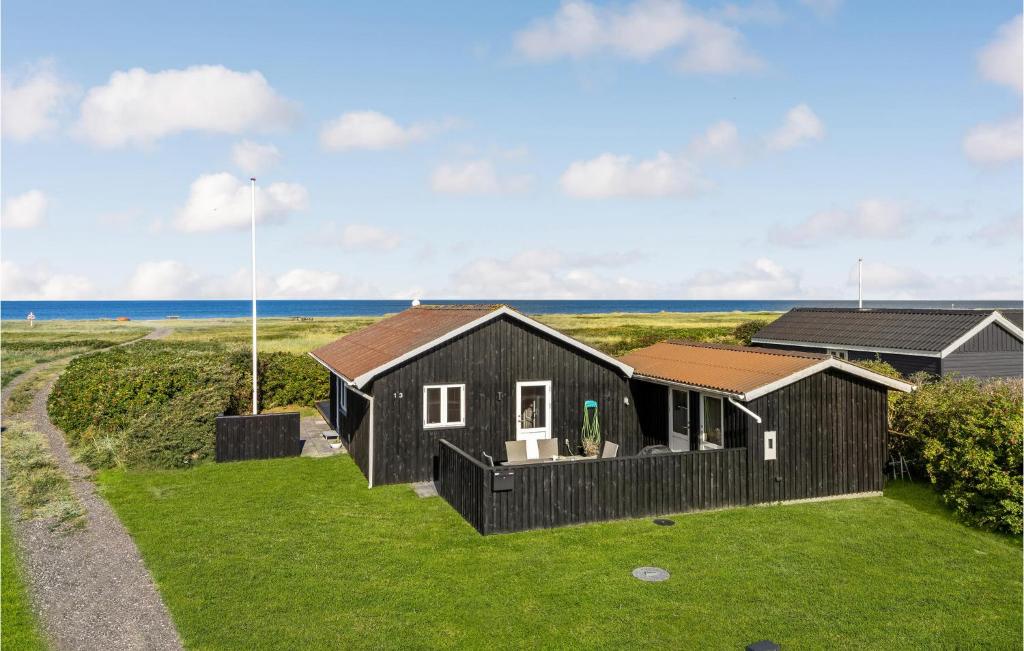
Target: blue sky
x=651, y=149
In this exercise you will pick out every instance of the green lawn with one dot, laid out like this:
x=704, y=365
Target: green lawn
x=19, y=628
x=298, y=553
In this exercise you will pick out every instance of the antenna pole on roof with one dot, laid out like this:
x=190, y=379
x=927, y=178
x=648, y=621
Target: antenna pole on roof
x=860, y=283
x=255, y=403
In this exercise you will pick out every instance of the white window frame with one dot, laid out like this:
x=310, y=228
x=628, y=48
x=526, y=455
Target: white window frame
x=342, y=390
x=445, y=423
x=704, y=444
x=522, y=433
x=839, y=353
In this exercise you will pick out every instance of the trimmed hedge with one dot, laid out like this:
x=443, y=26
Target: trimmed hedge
x=154, y=404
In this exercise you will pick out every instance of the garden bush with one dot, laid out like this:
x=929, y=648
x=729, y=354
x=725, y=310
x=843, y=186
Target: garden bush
x=967, y=435
x=154, y=404
x=745, y=331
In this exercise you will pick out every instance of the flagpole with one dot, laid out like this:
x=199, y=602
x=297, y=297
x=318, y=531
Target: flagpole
x=255, y=397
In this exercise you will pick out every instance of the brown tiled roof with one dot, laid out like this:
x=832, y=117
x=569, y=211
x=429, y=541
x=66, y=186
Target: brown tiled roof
x=390, y=338
x=730, y=369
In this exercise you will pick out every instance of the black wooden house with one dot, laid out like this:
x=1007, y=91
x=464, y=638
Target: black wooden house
x=777, y=425
x=969, y=343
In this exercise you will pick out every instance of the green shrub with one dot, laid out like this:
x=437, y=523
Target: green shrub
x=290, y=379
x=154, y=404
x=745, y=331
x=968, y=436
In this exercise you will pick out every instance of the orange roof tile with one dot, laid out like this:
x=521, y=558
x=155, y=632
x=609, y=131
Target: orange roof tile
x=729, y=369
x=390, y=338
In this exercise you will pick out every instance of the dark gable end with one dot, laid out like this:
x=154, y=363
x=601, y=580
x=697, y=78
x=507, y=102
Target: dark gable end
x=993, y=352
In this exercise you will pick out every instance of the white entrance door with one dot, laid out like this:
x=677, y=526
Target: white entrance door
x=533, y=414
x=678, y=420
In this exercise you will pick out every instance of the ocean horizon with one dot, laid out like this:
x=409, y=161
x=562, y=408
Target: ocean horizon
x=141, y=310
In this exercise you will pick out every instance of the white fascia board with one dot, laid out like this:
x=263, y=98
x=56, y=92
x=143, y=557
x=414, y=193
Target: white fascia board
x=860, y=349
x=328, y=367
x=824, y=365
x=369, y=375
x=995, y=317
x=789, y=379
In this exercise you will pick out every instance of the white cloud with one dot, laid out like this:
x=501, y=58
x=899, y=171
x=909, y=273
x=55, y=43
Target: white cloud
x=38, y=283
x=26, y=210
x=801, y=125
x=893, y=282
x=254, y=158
x=475, y=177
x=763, y=279
x=172, y=279
x=721, y=140
x=1001, y=232
x=872, y=219
x=221, y=201
x=540, y=274
x=163, y=279
x=995, y=143
x=373, y=130
x=610, y=175
x=140, y=107
x=1002, y=60
x=824, y=8
x=638, y=31
x=31, y=105
x=365, y=237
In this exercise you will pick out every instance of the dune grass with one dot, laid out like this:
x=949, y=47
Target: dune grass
x=32, y=476
x=19, y=628
x=613, y=333
x=298, y=553
x=22, y=347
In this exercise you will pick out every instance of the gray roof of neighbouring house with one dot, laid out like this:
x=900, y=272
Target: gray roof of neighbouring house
x=1016, y=317
x=896, y=329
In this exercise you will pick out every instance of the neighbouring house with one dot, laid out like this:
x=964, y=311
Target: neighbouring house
x=970, y=343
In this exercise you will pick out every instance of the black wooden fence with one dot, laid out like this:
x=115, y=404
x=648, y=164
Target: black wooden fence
x=536, y=496
x=263, y=436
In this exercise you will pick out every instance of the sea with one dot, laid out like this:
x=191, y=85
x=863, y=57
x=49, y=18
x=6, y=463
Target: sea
x=217, y=309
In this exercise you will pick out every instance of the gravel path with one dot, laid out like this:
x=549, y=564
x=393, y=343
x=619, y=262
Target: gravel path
x=90, y=586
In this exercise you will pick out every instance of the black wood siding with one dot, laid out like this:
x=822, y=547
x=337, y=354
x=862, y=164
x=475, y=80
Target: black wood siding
x=572, y=492
x=262, y=436
x=489, y=360
x=831, y=438
x=353, y=426
x=993, y=352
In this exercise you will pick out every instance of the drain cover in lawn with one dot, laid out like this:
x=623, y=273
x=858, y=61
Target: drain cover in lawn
x=651, y=574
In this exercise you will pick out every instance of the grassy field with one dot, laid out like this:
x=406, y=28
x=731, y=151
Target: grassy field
x=23, y=347
x=298, y=553
x=20, y=628
x=614, y=333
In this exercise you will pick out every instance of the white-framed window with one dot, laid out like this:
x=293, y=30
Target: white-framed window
x=712, y=422
x=839, y=354
x=444, y=405
x=342, y=396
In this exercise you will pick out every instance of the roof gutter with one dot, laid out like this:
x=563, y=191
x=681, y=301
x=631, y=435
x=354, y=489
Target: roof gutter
x=744, y=409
